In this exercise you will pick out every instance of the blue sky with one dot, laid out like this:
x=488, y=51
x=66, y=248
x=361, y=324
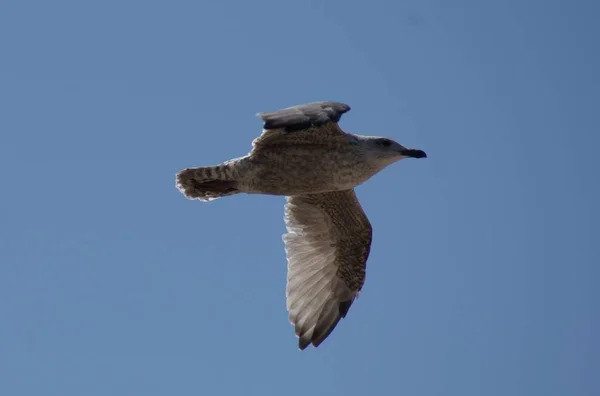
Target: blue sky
x=483, y=274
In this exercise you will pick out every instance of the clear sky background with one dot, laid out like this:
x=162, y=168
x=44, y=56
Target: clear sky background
x=483, y=276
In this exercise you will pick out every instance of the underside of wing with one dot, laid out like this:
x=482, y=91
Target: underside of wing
x=311, y=118
x=327, y=244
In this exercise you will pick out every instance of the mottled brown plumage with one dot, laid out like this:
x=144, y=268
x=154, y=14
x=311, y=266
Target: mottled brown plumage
x=303, y=155
x=327, y=245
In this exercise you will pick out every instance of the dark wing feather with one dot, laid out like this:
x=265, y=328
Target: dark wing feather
x=304, y=116
x=327, y=244
x=304, y=124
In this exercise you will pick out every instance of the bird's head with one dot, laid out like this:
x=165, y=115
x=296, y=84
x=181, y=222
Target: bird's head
x=386, y=151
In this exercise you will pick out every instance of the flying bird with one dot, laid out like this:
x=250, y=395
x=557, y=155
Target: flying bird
x=304, y=155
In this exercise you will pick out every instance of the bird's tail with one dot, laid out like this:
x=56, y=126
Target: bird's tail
x=207, y=183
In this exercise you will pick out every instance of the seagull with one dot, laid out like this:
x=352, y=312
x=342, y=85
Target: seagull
x=304, y=155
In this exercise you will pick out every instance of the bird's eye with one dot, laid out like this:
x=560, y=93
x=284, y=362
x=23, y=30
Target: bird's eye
x=386, y=143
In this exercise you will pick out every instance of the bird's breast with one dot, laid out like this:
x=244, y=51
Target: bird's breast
x=301, y=171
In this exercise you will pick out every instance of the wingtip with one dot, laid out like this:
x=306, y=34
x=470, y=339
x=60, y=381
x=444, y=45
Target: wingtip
x=303, y=343
x=346, y=107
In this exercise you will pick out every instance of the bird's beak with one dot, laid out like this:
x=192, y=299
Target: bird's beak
x=413, y=153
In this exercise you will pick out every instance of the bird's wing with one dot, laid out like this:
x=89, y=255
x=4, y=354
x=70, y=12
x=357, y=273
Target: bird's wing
x=298, y=123
x=327, y=244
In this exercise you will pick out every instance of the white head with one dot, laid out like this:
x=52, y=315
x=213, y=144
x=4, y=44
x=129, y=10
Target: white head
x=384, y=151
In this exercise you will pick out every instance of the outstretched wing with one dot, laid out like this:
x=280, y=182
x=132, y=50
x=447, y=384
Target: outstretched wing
x=298, y=122
x=327, y=244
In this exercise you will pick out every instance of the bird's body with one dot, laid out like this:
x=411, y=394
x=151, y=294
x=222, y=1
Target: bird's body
x=303, y=155
x=304, y=168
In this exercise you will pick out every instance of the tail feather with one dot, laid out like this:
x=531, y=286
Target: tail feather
x=205, y=183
